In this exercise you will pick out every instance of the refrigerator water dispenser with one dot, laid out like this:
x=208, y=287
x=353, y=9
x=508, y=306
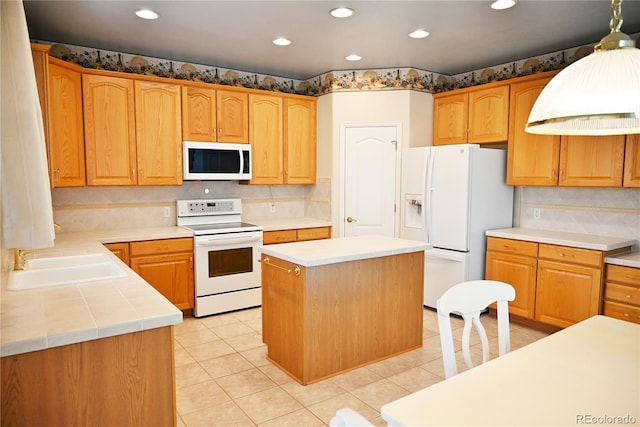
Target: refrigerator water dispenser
x=413, y=211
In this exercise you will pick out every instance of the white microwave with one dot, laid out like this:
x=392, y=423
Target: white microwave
x=211, y=161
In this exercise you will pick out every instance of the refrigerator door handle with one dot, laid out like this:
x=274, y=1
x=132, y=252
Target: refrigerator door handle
x=429, y=194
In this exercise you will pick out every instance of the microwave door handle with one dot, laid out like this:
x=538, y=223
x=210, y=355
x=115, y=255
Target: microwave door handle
x=219, y=241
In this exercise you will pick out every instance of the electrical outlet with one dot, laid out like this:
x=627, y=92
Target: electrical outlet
x=167, y=211
x=536, y=213
x=272, y=207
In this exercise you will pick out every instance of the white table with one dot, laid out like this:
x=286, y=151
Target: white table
x=574, y=377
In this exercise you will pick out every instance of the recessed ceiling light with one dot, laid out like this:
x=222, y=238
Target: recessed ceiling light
x=419, y=34
x=353, y=57
x=502, y=4
x=281, y=41
x=341, y=12
x=146, y=14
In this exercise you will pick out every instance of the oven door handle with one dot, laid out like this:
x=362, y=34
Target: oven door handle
x=220, y=241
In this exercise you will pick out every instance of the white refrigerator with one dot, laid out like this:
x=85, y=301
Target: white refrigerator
x=452, y=194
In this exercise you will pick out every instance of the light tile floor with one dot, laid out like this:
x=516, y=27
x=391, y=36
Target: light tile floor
x=223, y=377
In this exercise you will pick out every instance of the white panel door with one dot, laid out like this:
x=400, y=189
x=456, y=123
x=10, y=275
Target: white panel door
x=370, y=180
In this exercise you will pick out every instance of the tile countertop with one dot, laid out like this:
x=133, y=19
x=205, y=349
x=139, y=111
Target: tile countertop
x=576, y=240
x=627, y=259
x=38, y=319
x=313, y=253
x=288, y=223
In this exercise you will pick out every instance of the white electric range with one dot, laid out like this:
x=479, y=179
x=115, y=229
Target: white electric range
x=226, y=257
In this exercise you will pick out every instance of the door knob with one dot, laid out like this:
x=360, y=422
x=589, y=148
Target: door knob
x=349, y=219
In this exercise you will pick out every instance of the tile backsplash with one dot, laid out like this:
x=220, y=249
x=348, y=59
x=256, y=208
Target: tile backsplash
x=601, y=211
x=91, y=208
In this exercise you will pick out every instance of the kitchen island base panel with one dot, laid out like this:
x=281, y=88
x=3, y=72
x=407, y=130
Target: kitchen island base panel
x=333, y=318
x=125, y=380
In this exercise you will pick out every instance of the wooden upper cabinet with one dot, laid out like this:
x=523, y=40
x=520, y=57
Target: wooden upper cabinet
x=450, y=118
x=489, y=115
x=198, y=114
x=265, y=136
x=300, y=157
x=632, y=162
x=474, y=116
x=65, y=126
x=158, y=133
x=109, y=126
x=531, y=159
x=232, y=116
x=591, y=161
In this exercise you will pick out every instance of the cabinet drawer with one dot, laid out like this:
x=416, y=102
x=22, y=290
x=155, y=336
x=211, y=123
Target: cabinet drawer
x=622, y=311
x=281, y=236
x=165, y=246
x=622, y=293
x=314, y=233
x=571, y=255
x=515, y=247
x=621, y=274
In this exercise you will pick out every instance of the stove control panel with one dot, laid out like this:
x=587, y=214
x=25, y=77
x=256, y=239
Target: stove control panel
x=205, y=207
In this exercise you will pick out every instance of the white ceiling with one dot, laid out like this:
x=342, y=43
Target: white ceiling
x=465, y=35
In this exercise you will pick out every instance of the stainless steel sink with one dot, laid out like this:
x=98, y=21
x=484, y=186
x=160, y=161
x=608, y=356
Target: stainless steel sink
x=64, y=270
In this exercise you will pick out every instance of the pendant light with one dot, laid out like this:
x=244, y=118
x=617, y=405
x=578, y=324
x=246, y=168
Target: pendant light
x=596, y=95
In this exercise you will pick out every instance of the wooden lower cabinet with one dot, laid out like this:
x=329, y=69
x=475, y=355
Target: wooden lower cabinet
x=515, y=262
x=125, y=380
x=121, y=250
x=556, y=285
x=167, y=265
x=296, y=235
x=622, y=293
x=567, y=293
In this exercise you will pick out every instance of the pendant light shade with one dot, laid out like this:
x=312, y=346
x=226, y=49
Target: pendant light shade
x=596, y=95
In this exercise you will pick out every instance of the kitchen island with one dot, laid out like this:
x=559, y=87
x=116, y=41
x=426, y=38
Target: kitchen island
x=332, y=305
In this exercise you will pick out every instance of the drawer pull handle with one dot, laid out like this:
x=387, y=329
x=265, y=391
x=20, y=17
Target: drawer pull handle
x=163, y=248
x=295, y=271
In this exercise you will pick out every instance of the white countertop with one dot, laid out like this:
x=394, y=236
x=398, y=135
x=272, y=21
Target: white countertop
x=38, y=319
x=576, y=240
x=288, y=223
x=572, y=377
x=331, y=251
x=627, y=259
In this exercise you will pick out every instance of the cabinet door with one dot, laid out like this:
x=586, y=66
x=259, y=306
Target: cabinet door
x=489, y=115
x=171, y=275
x=121, y=250
x=198, y=114
x=531, y=159
x=109, y=128
x=567, y=293
x=450, y=118
x=299, y=141
x=518, y=271
x=632, y=162
x=591, y=161
x=65, y=127
x=158, y=133
x=265, y=136
x=232, y=116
